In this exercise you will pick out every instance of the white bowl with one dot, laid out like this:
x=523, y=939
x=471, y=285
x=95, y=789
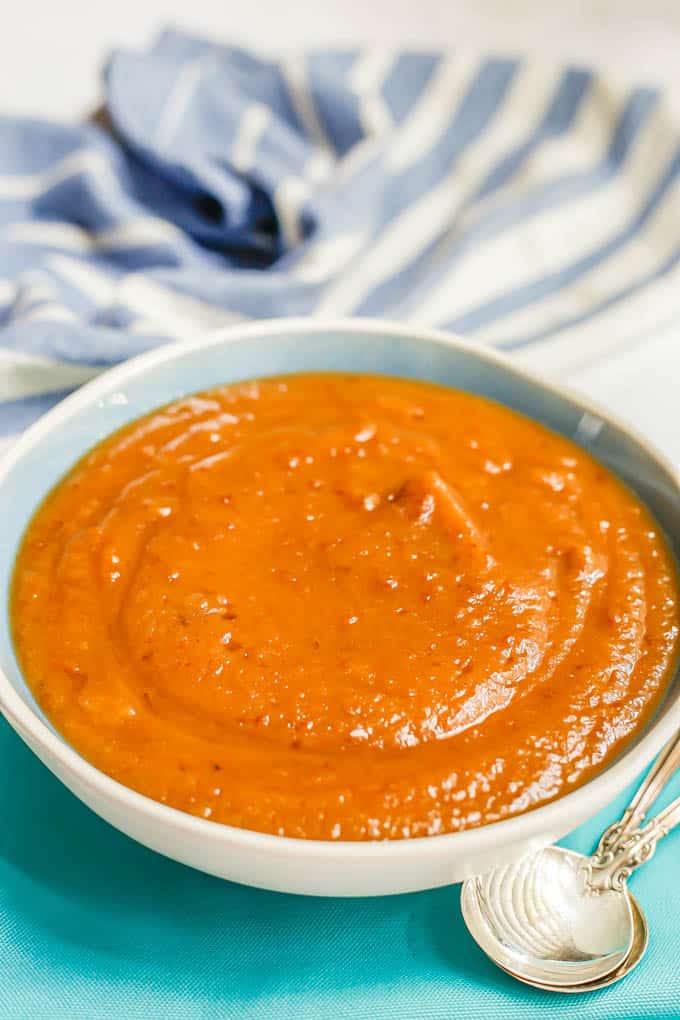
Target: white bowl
x=51, y=446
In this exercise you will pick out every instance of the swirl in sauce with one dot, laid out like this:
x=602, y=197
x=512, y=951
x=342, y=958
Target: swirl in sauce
x=344, y=607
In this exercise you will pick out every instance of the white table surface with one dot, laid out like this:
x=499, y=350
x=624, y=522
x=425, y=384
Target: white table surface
x=51, y=54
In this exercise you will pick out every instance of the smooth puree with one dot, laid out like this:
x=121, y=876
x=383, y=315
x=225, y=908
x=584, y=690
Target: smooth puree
x=344, y=607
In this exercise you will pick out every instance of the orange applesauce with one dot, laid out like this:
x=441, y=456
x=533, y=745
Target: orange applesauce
x=344, y=607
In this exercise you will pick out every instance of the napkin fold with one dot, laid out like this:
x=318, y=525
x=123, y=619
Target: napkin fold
x=528, y=206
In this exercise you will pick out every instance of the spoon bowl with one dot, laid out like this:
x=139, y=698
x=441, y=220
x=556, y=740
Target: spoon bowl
x=565, y=922
x=539, y=919
x=635, y=954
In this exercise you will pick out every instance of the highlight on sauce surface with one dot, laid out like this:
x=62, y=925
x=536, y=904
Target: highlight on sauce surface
x=344, y=607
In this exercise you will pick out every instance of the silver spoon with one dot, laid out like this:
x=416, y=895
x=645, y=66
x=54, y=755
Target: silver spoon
x=566, y=922
x=635, y=954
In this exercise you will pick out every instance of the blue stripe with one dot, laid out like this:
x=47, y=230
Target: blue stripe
x=279, y=153
x=85, y=200
x=559, y=117
x=594, y=310
x=80, y=342
x=229, y=251
x=17, y=415
x=336, y=105
x=15, y=260
x=30, y=146
x=406, y=82
x=433, y=259
x=245, y=291
x=520, y=297
x=473, y=116
x=16, y=255
x=239, y=72
x=446, y=251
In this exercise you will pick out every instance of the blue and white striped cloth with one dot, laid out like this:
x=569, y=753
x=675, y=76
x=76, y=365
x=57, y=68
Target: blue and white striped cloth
x=534, y=208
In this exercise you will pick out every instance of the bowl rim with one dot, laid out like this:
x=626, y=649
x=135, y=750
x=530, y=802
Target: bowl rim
x=533, y=823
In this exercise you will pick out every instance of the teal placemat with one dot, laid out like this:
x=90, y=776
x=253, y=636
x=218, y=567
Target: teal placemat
x=95, y=927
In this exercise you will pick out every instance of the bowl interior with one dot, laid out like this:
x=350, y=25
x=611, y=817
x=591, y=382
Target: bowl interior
x=109, y=403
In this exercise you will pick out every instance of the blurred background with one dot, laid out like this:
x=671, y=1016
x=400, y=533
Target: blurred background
x=52, y=55
x=51, y=58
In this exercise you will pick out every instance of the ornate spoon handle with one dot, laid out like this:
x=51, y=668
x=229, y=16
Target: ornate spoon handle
x=632, y=850
x=634, y=815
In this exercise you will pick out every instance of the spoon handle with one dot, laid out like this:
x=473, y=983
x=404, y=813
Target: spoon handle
x=632, y=850
x=634, y=815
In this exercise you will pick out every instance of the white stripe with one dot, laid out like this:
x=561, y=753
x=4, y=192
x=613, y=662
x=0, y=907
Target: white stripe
x=370, y=69
x=294, y=71
x=551, y=240
x=319, y=166
x=375, y=116
x=179, y=97
x=575, y=151
x=424, y=220
x=641, y=255
x=95, y=284
x=250, y=130
x=366, y=79
x=331, y=258
x=33, y=285
x=82, y=161
x=354, y=160
x=432, y=113
x=8, y=289
x=24, y=375
x=141, y=233
x=148, y=327
x=175, y=314
x=328, y=257
x=48, y=312
x=636, y=320
x=49, y=234
x=288, y=200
